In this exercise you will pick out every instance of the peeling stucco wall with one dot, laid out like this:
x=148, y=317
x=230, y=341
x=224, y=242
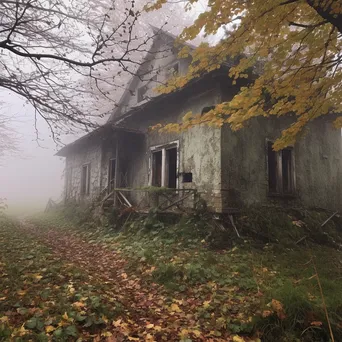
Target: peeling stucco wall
x=317, y=156
x=199, y=147
x=90, y=154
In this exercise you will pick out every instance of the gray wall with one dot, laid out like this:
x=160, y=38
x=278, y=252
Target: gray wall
x=317, y=164
x=199, y=147
x=92, y=154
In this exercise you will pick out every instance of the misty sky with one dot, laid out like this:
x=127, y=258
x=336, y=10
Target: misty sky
x=33, y=175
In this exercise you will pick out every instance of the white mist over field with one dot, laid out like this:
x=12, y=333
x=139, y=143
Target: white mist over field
x=29, y=177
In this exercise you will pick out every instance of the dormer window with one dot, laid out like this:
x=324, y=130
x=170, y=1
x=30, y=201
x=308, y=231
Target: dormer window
x=141, y=94
x=172, y=70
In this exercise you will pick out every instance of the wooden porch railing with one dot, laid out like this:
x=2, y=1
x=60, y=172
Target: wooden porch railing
x=175, y=200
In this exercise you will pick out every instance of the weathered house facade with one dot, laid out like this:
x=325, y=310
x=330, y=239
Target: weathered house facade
x=227, y=169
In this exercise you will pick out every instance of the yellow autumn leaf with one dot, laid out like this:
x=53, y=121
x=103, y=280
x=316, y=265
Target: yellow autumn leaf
x=22, y=331
x=237, y=338
x=184, y=334
x=21, y=292
x=78, y=304
x=65, y=316
x=197, y=333
x=37, y=276
x=50, y=328
x=175, y=308
x=107, y=334
x=117, y=323
x=149, y=326
x=4, y=319
x=149, y=338
x=206, y=303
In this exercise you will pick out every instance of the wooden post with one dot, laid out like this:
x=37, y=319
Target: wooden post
x=116, y=183
x=163, y=168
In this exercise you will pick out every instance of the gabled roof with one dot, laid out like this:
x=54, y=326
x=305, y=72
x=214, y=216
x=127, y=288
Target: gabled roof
x=158, y=33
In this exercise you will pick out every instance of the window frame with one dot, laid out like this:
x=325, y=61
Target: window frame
x=279, y=173
x=68, y=182
x=85, y=191
x=139, y=100
x=168, y=67
x=163, y=148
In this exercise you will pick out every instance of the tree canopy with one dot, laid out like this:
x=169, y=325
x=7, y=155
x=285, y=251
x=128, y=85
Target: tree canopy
x=292, y=47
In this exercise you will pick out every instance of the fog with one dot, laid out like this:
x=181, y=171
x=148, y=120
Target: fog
x=29, y=177
x=32, y=175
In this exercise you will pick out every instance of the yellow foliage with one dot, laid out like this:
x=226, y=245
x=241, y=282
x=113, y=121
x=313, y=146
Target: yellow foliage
x=50, y=328
x=238, y=339
x=292, y=52
x=174, y=308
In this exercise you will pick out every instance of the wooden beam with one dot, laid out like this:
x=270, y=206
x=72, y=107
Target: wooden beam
x=176, y=202
x=116, y=184
x=163, y=168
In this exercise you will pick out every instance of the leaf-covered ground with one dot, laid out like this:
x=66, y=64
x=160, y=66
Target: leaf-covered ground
x=62, y=283
x=55, y=285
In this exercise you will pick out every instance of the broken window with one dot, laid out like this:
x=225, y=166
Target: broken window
x=111, y=174
x=281, y=178
x=85, y=179
x=165, y=166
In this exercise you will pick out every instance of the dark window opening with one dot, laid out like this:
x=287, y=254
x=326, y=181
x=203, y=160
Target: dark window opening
x=157, y=168
x=280, y=171
x=171, y=162
x=287, y=171
x=187, y=177
x=85, y=180
x=272, y=168
x=141, y=93
x=111, y=174
x=207, y=109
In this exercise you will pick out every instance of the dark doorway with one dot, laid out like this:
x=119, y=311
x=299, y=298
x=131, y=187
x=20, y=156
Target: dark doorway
x=157, y=168
x=85, y=180
x=171, y=159
x=111, y=174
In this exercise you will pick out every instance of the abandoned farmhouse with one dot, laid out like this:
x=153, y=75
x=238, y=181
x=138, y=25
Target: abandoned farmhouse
x=227, y=169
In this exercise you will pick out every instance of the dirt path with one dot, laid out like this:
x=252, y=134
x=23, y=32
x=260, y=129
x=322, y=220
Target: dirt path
x=151, y=316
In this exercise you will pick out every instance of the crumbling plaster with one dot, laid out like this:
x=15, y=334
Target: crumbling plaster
x=317, y=155
x=90, y=154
